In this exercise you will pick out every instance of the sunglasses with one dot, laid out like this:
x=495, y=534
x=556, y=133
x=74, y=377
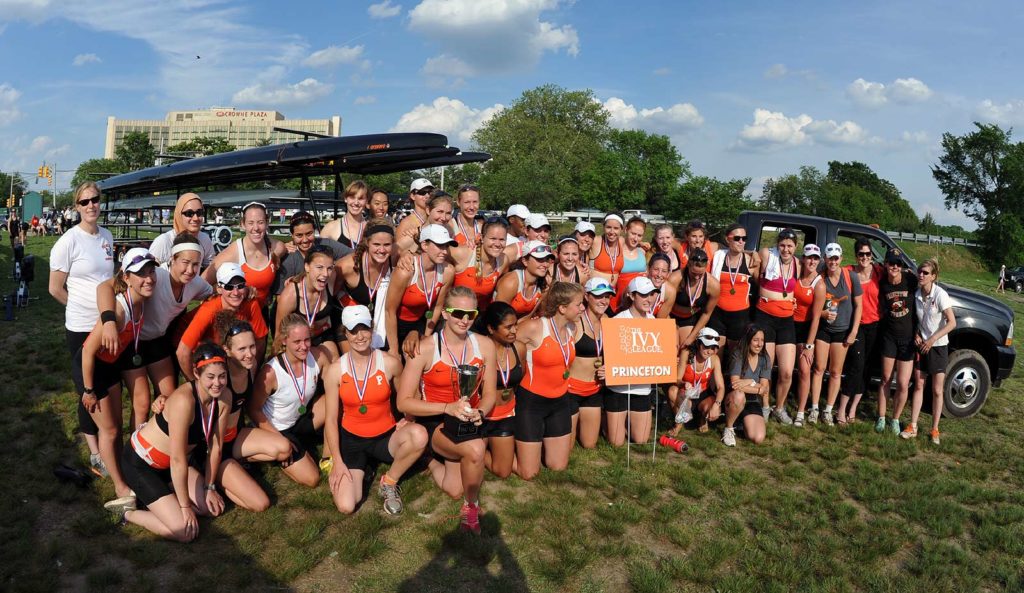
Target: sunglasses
x=469, y=314
x=738, y=238
x=424, y=192
x=864, y=254
x=238, y=328
x=192, y=213
x=496, y=220
x=138, y=259
x=787, y=234
x=468, y=187
x=85, y=202
x=234, y=287
x=924, y=273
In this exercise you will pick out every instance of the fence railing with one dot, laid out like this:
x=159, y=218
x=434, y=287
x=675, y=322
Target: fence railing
x=930, y=239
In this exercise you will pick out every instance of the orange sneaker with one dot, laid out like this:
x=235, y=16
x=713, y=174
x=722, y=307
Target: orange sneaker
x=935, y=436
x=910, y=432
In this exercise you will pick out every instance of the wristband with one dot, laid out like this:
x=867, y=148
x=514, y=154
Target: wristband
x=108, y=316
x=210, y=487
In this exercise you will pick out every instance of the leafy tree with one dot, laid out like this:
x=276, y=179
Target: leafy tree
x=135, y=152
x=716, y=202
x=97, y=169
x=794, y=194
x=635, y=170
x=928, y=223
x=882, y=204
x=201, y=146
x=19, y=187
x=543, y=145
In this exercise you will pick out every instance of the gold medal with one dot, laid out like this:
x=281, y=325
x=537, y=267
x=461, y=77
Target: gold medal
x=598, y=363
x=506, y=395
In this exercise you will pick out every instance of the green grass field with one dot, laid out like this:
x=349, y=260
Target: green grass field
x=811, y=510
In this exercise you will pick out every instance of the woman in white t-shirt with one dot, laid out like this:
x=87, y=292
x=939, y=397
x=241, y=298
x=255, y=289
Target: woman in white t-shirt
x=81, y=259
x=188, y=218
x=935, y=320
x=634, y=399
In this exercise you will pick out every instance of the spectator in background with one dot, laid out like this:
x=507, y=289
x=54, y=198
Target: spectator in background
x=1002, y=279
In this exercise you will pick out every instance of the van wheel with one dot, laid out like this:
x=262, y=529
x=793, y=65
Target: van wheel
x=1018, y=286
x=967, y=384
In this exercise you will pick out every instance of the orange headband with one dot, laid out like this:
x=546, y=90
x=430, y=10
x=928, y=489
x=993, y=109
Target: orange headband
x=212, y=360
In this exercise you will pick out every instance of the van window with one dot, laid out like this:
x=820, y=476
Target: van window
x=769, y=233
x=847, y=240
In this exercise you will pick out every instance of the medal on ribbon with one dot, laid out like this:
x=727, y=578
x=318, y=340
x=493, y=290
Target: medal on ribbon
x=300, y=391
x=136, y=326
x=564, y=347
x=310, y=315
x=360, y=385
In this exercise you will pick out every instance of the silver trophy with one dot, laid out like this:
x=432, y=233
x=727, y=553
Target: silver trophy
x=466, y=379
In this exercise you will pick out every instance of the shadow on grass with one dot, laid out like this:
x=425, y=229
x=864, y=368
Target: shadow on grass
x=471, y=564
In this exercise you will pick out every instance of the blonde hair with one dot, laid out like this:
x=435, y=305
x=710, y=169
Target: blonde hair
x=84, y=186
x=560, y=293
x=355, y=187
x=456, y=292
x=932, y=263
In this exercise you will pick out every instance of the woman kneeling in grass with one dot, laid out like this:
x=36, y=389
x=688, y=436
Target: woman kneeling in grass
x=750, y=377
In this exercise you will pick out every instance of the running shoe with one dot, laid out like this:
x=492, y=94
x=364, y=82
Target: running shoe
x=935, y=436
x=97, y=466
x=826, y=419
x=880, y=425
x=392, y=497
x=119, y=506
x=471, y=517
x=910, y=432
x=812, y=418
x=729, y=436
x=782, y=416
x=894, y=426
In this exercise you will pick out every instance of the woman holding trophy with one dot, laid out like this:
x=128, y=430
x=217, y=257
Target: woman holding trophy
x=452, y=366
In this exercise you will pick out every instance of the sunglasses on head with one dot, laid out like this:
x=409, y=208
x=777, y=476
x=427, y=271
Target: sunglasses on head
x=468, y=187
x=138, y=259
x=238, y=328
x=496, y=220
x=234, y=287
x=86, y=201
x=787, y=234
x=191, y=213
x=469, y=314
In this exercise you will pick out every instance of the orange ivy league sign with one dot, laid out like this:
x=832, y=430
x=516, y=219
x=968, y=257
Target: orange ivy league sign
x=639, y=351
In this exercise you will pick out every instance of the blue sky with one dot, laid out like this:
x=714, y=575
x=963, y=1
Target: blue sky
x=744, y=89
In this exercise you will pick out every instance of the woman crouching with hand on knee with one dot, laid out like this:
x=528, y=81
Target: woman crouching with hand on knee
x=156, y=459
x=360, y=429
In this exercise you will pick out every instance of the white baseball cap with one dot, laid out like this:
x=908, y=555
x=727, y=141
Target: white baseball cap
x=598, y=286
x=228, y=271
x=355, y=315
x=537, y=250
x=437, y=234
x=833, y=250
x=708, y=336
x=812, y=249
x=136, y=258
x=517, y=210
x=585, y=227
x=420, y=183
x=641, y=284
x=537, y=220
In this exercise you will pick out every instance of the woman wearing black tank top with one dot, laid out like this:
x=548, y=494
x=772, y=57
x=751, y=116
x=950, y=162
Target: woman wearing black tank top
x=196, y=413
x=309, y=296
x=498, y=322
x=586, y=391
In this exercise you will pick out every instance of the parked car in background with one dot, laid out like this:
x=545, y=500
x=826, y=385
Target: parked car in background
x=1015, y=279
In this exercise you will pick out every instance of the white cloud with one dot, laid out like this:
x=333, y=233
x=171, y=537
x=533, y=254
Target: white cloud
x=491, y=36
x=450, y=117
x=269, y=94
x=39, y=144
x=875, y=94
x=384, y=10
x=334, y=55
x=678, y=118
x=365, y=100
x=664, y=71
x=446, y=71
x=83, y=59
x=1010, y=113
x=9, y=111
x=774, y=130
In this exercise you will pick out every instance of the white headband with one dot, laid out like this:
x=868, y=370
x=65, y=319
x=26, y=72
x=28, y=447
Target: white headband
x=185, y=247
x=614, y=217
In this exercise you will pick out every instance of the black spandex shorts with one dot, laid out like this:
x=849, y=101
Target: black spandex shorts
x=359, y=452
x=104, y=375
x=74, y=341
x=831, y=337
x=156, y=349
x=576, y=402
x=150, y=484
x=686, y=321
x=620, y=402
x=302, y=435
x=730, y=324
x=506, y=427
x=538, y=417
x=406, y=327
x=903, y=350
x=752, y=407
x=777, y=330
x=800, y=328
x=935, y=360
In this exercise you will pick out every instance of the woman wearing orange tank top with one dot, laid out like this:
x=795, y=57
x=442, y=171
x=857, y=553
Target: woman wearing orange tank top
x=810, y=299
x=479, y=264
x=259, y=255
x=543, y=419
x=360, y=428
x=499, y=322
x=524, y=288
x=736, y=270
x=417, y=295
x=777, y=276
x=701, y=381
x=696, y=239
x=457, y=465
x=606, y=254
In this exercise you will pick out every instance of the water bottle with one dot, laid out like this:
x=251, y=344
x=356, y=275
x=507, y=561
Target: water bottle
x=677, y=445
x=685, y=413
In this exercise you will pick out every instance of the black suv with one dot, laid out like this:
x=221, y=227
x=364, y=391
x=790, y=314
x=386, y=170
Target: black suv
x=981, y=346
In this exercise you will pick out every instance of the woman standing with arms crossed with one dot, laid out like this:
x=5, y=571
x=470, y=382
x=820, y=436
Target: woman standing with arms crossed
x=360, y=428
x=458, y=464
x=810, y=300
x=586, y=393
x=499, y=323
x=775, y=306
x=157, y=454
x=348, y=230
x=80, y=260
x=896, y=336
x=418, y=295
x=862, y=355
x=543, y=414
x=935, y=320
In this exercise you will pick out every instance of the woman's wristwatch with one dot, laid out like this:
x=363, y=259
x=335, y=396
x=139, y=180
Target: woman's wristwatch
x=210, y=487
x=809, y=346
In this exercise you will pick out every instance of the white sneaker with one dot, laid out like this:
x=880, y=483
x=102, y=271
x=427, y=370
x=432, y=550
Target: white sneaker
x=782, y=416
x=729, y=436
x=812, y=418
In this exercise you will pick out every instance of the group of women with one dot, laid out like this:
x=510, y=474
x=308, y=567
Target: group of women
x=448, y=343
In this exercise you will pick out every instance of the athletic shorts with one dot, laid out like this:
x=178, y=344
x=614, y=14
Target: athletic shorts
x=150, y=484
x=831, y=337
x=935, y=360
x=156, y=349
x=752, y=407
x=801, y=329
x=506, y=427
x=104, y=375
x=576, y=402
x=730, y=324
x=777, y=330
x=903, y=350
x=359, y=452
x=686, y=321
x=538, y=417
x=302, y=435
x=620, y=402
x=74, y=341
